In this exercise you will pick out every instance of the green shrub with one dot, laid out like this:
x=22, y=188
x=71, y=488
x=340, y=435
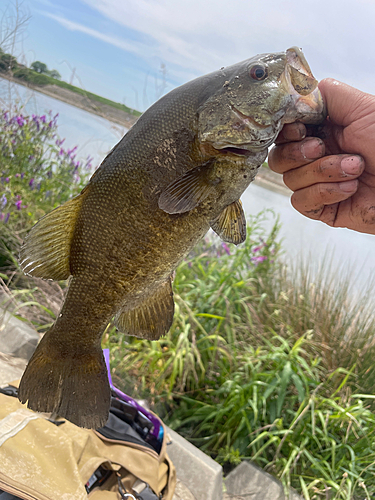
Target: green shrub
x=36, y=174
x=264, y=362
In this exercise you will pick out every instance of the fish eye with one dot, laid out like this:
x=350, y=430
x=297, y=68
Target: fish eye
x=258, y=72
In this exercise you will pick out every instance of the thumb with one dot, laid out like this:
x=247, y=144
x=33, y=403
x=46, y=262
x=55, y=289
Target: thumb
x=345, y=104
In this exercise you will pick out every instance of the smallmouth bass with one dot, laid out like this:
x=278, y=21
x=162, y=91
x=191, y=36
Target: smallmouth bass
x=180, y=170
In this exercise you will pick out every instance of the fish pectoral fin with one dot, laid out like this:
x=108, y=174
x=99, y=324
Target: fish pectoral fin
x=46, y=249
x=153, y=318
x=231, y=224
x=188, y=191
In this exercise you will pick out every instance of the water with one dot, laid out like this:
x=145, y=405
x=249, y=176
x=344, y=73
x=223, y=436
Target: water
x=353, y=252
x=94, y=136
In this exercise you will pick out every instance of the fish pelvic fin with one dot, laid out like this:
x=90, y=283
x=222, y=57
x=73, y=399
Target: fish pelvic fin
x=74, y=385
x=231, y=224
x=153, y=318
x=46, y=250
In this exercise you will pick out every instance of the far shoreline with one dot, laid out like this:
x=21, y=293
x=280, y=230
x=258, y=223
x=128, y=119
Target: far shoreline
x=82, y=102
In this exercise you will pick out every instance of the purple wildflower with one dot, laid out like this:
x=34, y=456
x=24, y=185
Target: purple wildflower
x=18, y=204
x=258, y=248
x=258, y=259
x=22, y=175
x=3, y=201
x=226, y=248
x=20, y=121
x=31, y=182
x=6, y=218
x=7, y=179
x=17, y=175
x=36, y=121
x=43, y=119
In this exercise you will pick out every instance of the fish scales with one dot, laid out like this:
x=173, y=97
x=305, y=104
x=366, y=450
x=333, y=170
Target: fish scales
x=180, y=170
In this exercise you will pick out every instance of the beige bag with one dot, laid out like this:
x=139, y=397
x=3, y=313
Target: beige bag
x=40, y=460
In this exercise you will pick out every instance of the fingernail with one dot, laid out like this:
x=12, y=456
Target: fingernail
x=351, y=165
x=312, y=148
x=348, y=187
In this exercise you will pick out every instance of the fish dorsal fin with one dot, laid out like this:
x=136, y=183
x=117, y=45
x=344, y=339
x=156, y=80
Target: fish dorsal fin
x=187, y=191
x=46, y=250
x=231, y=224
x=153, y=318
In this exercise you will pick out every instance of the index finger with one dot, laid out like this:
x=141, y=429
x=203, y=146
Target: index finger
x=291, y=132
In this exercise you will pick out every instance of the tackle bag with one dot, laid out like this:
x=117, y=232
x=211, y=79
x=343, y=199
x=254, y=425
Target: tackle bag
x=42, y=458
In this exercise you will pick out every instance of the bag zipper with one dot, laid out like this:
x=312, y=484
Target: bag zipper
x=139, y=447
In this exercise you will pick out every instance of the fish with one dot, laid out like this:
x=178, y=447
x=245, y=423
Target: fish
x=179, y=171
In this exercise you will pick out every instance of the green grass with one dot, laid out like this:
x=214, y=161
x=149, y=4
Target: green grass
x=267, y=363
x=264, y=362
x=35, y=78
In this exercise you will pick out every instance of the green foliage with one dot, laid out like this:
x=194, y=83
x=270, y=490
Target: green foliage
x=7, y=62
x=53, y=73
x=264, y=363
x=39, y=67
x=36, y=174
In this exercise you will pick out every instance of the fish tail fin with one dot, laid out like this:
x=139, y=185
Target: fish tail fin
x=72, y=384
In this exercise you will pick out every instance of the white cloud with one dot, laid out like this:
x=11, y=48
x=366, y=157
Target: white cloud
x=202, y=35
x=193, y=37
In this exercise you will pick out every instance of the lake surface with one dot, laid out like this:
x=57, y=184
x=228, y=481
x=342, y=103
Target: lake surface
x=353, y=252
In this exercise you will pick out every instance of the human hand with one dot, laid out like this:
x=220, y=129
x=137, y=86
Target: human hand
x=333, y=175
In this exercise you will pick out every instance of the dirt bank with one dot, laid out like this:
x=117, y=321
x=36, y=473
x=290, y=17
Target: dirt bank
x=79, y=101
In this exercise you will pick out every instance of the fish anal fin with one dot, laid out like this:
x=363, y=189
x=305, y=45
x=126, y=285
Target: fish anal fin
x=153, y=318
x=231, y=224
x=46, y=249
x=188, y=191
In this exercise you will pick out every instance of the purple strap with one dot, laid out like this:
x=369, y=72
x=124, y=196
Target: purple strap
x=154, y=420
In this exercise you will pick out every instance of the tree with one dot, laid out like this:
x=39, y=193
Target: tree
x=39, y=67
x=54, y=74
x=7, y=62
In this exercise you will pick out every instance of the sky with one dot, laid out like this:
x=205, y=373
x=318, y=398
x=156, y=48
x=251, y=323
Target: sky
x=133, y=51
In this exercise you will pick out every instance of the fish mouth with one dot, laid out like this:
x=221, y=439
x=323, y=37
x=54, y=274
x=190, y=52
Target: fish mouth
x=235, y=150
x=300, y=75
x=302, y=87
